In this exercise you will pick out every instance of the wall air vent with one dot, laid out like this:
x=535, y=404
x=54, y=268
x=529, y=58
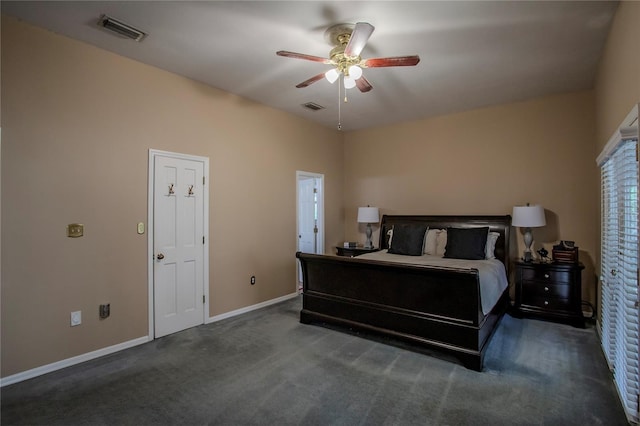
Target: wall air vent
x=121, y=28
x=313, y=106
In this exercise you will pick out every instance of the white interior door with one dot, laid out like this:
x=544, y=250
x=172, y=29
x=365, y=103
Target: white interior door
x=307, y=229
x=310, y=214
x=178, y=244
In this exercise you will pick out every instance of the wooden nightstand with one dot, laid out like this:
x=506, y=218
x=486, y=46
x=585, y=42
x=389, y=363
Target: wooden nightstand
x=353, y=251
x=550, y=290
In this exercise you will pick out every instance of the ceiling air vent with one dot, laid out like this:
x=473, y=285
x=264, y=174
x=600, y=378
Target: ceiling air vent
x=313, y=106
x=121, y=28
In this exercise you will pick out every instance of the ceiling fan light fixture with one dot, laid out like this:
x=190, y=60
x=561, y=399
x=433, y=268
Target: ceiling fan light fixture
x=349, y=82
x=332, y=75
x=355, y=72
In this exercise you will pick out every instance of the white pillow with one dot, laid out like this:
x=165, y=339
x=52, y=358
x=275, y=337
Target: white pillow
x=491, y=245
x=441, y=242
x=430, y=241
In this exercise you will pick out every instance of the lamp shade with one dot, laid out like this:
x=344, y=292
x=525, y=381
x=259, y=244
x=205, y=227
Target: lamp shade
x=349, y=83
x=331, y=75
x=355, y=72
x=368, y=215
x=528, y=216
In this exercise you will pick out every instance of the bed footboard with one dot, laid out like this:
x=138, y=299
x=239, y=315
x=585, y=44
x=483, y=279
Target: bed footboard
x=431, y=307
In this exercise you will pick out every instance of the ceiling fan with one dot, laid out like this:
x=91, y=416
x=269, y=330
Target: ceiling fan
x=349, y=40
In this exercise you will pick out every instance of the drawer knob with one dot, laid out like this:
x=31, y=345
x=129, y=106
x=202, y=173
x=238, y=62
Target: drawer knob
x=546, y=276
x=546, y=303
x=546, y=289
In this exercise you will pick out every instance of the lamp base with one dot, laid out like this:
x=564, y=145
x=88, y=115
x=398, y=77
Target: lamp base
x=369, y=244
x=528, y=239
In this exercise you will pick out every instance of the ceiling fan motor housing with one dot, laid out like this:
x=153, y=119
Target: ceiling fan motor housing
x=337, y=56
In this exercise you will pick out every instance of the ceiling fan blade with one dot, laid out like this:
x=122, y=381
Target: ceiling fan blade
x=302, y=56
x=358, y=39
x=310, y=81
x=397, y=61
x=363, y=84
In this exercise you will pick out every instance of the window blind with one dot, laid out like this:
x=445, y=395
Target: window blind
x=619, y=313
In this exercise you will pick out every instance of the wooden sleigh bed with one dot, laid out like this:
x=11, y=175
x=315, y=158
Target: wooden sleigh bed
x=429, y=307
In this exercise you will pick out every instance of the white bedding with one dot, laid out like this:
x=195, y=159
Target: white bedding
x=491, y=272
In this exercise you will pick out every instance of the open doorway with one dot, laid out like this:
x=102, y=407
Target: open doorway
x=310, y=215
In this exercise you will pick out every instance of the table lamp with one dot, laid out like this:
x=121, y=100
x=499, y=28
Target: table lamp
x=368, y=215
x=528, y=217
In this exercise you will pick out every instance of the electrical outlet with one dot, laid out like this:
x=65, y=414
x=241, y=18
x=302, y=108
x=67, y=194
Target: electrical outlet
x=253, y=279
x=105, y=310
x=76, y=318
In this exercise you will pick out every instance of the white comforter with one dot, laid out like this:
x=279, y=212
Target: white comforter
x=492, y=274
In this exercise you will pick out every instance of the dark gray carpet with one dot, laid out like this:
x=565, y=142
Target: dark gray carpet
x=265, y=367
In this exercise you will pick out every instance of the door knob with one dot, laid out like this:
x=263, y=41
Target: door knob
x=160, y=256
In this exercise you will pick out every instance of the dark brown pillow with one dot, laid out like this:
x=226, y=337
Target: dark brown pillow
x=408, y=239
x=466, y=243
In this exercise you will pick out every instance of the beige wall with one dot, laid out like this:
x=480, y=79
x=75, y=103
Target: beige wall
x=485, y=162
x=618, y=81
x=77, y=124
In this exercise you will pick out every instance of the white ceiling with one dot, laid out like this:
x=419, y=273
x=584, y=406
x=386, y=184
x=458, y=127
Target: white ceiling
x=473, y=54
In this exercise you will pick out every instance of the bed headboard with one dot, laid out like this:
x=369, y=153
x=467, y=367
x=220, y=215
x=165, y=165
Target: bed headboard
x=499, y=224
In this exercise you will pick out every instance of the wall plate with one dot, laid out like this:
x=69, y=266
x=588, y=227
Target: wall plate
x=75, y=230
x=76, y=318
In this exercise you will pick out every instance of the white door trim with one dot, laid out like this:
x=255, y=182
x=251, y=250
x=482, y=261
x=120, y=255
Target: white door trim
x=150, y=243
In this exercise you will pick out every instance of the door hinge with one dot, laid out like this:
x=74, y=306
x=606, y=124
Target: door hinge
x=203, y=180
x=203, y=239
x=203, y=298
x=315, y=229
x=315, y=190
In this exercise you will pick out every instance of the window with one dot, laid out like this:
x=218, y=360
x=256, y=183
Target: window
x=619, y=312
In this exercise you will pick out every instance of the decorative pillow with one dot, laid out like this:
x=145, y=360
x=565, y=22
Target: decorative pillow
x=441, y=242
x=491, y=245
x=430, y=241
x=408, y=239
x=466, y=243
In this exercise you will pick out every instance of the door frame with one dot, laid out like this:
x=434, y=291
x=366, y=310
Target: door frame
x=299, y=175
x=153, y=153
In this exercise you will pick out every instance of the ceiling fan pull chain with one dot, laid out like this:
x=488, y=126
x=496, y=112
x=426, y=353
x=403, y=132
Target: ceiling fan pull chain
x=339, y=107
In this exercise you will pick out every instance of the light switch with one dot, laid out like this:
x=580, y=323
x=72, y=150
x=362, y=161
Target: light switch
x=76, y=318
x=75, y=230
x=141, y=228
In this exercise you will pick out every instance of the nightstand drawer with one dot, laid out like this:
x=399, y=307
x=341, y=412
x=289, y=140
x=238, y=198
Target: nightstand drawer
x=547, y=303
x=543, y=274
x=544, y=289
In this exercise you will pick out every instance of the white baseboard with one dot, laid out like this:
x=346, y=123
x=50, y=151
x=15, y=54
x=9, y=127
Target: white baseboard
x=251, y=308
x=39, y=371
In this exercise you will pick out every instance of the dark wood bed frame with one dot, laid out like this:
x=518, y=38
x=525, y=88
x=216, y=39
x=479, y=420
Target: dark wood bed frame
x=429, y=307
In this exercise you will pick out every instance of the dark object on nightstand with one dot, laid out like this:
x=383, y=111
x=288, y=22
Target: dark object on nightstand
x=544, y=255
x=550, y=291
x=353, y=251
x=565, y=252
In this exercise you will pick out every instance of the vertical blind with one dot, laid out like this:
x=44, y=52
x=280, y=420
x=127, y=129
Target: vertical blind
x=619, y=312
